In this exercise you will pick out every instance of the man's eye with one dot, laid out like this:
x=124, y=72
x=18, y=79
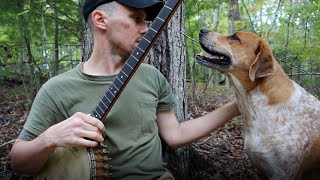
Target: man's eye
x=136, y=18
x=234, y=37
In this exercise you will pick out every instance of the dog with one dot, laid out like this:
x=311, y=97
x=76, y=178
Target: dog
x=281, y=119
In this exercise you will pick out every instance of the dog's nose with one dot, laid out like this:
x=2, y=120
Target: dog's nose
x=203, y=31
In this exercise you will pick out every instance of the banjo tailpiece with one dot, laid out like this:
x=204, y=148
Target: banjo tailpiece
x=98, y=162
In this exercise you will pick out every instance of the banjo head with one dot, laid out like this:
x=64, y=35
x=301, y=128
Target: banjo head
x=66, y=163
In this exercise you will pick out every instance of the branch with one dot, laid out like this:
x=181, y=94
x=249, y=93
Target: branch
x=305, y=40
x=299, y=68
x=288, y=34
x=292, y=65
x=274, y=20
x=309, y=74
x=249, y=17
x=6, y=143
x=62, y=24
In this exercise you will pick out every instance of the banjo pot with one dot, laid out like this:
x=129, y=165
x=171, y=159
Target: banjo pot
x=76, y=163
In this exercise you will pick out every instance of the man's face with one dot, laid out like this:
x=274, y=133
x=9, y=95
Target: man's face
x=126, y=27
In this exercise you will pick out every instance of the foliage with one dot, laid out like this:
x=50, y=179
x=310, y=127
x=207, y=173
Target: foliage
x=28, y=41
x=22, y=25
x=291, y=28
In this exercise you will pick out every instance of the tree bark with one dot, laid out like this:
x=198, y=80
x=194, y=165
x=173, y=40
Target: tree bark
x=44, y=49
x=21, y=33
x=215, y=74
x=233, y=15
x=56, y=41
x=192, y=66
x=87, y=44
x=169, y=56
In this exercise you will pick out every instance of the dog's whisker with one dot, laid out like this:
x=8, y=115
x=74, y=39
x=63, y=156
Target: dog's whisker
x=208, y=41
x=189, y=37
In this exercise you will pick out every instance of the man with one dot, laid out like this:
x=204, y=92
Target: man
x=59, y=115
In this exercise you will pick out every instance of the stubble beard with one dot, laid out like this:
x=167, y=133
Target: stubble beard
x=118, y=48
x=118, y=52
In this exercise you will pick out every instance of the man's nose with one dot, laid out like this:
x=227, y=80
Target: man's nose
x=144, y=28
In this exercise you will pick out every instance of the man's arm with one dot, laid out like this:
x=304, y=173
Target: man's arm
x=28, y=157
x=177, y=134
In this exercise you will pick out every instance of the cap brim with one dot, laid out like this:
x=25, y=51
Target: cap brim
x=152, y=7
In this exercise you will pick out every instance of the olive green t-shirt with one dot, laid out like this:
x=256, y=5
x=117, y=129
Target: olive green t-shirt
x=131, y=130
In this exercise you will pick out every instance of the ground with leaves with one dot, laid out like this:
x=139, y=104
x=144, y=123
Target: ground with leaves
x=218, y=156
x=221, y=154
x=13, y=113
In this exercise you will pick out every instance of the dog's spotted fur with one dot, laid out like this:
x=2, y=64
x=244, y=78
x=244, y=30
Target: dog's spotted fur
x=282, y=120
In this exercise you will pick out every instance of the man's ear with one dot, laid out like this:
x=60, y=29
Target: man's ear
x=99, y=19
x=263, y=64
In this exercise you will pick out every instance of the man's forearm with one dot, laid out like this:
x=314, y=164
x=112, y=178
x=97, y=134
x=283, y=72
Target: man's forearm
x=200, y=127
x=28, y=157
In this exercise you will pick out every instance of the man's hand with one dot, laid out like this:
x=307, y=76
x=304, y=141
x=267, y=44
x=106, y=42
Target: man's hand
x=78, y=130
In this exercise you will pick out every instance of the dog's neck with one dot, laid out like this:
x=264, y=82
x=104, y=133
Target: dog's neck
x=277, y=87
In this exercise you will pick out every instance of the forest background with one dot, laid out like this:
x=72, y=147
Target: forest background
x=40, y=39
x=43, y=38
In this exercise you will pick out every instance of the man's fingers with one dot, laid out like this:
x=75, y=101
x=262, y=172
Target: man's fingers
x=88, y=143
x=92, y=128
x=91, y=135
x=94, y=122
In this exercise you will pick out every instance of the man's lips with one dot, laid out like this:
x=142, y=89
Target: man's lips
x=138, y=40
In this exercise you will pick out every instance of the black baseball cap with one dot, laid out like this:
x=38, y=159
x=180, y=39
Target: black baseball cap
x=152, y=7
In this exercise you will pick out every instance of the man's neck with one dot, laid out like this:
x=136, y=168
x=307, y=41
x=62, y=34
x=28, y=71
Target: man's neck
x=103, y=61
x=103, y=66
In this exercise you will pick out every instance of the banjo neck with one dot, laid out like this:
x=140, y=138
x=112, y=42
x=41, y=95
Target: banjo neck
x=135, y=59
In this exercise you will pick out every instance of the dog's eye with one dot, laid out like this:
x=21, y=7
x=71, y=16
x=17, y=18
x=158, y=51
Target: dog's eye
x=234, y=37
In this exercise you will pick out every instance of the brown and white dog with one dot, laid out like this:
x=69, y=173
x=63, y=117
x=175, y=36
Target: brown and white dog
x=282, y=120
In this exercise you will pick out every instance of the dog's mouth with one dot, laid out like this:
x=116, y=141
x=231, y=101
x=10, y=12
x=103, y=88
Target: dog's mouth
x=213, y=58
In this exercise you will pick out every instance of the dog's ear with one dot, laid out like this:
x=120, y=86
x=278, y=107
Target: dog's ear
x=263, y=64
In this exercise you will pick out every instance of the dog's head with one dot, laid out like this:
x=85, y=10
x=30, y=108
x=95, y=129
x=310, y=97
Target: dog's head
x=243, y=55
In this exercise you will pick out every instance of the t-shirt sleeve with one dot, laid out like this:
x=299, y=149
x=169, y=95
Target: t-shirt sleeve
x=166, y=100
x=42, y=114
x=26, y=135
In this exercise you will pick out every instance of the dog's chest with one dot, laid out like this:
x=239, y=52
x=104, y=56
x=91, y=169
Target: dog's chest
x=284, y=128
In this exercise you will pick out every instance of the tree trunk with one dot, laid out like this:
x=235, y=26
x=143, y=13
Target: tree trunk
x=56, y=41
x=21, y=53
x=286, y=48
x=233, y=15
x=44, y=50
x=169, y=56
x=192, y=66
x=87, y=44
x=26, y=37
x=215, y=74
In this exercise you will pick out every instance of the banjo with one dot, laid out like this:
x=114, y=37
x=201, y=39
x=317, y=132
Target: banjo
x=92, y=163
